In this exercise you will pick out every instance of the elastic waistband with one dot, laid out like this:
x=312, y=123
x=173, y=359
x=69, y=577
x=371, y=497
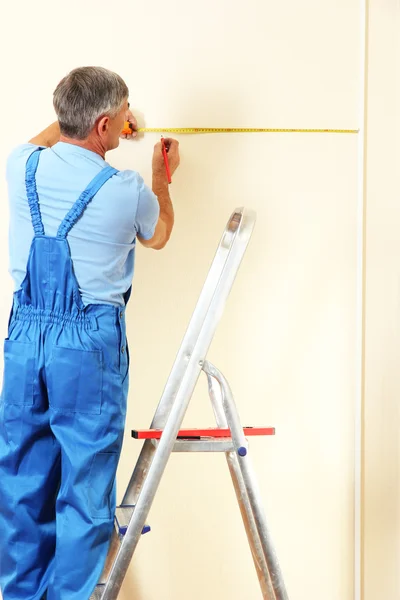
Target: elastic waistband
x=30, y=313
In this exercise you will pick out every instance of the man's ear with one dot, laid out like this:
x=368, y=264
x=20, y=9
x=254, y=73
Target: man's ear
x=103, y=125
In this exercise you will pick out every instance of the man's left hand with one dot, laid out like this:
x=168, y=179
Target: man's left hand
x=131, y=119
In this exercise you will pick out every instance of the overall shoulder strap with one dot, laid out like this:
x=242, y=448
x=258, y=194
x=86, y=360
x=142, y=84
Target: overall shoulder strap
x=31, y=191
x=75, y=213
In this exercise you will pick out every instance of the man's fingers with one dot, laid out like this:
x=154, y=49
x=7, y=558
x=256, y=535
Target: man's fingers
x=171, y=142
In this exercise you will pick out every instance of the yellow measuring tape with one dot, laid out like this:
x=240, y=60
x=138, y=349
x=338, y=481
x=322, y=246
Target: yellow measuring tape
x=192, y=130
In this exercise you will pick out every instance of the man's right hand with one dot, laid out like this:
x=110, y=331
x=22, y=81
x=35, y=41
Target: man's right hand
x=172, y=147
x=161, y=189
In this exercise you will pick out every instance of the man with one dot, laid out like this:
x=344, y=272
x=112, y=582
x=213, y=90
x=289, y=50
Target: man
x=74, y=222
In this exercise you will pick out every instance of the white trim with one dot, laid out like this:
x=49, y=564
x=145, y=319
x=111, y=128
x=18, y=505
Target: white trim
x=360, y=309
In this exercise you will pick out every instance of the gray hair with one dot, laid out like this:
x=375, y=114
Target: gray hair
x=84, y=95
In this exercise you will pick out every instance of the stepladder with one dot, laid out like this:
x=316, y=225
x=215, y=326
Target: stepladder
x=166, y=434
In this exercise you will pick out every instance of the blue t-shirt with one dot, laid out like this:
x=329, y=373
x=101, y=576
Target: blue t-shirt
x=103, y=241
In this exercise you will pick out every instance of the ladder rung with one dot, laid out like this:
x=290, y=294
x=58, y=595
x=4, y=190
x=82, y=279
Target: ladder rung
x=201, y=445
x=196, y=434
x=123, y=515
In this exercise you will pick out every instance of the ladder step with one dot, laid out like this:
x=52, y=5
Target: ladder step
x=123, y=515
x=201, y=445
x=196, y=434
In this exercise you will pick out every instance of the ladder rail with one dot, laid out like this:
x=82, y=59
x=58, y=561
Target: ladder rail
x=250, y=526
x=227, y=259
x=179, y=388
x=250, y=483
x=219, y=282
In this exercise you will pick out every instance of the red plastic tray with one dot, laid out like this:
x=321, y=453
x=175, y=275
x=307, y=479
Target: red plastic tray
x=214, y=432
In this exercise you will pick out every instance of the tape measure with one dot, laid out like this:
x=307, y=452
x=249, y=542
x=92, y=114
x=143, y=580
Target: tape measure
x=194, y=130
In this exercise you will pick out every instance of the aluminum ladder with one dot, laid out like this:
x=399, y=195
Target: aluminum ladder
x=130, y=521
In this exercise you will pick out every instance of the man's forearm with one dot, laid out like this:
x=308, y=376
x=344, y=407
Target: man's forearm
x=48, y=137
x=161, y=190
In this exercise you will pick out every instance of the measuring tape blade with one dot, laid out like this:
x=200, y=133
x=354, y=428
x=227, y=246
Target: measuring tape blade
x=194, y=130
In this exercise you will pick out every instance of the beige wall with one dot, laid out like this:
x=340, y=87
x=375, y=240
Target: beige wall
x=291, y=354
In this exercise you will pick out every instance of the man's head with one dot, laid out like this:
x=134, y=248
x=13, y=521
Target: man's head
x=91, y=104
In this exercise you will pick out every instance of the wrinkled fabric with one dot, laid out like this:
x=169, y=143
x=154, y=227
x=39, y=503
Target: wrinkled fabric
x=62, y=417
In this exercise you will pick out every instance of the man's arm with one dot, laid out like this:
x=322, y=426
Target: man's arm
x=165, y=222
x=48, y=137
x=160, y=188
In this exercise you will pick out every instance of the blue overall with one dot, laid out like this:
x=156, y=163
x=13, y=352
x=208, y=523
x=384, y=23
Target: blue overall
x=62, y=417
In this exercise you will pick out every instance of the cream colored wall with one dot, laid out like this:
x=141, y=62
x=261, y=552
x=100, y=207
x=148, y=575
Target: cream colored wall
x=287, y=341
x=382, y=334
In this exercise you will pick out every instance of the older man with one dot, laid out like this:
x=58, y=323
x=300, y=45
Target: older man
x=74, y=222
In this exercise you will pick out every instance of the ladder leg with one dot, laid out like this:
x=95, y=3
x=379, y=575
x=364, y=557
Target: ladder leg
x=250, y=482
x=242, y=498
x=250, y=527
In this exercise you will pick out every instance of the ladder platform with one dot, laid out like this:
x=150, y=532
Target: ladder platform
x=197, y=434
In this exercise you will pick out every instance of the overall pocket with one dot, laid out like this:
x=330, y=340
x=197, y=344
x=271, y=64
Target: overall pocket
x=19, y=373
x=75, y=380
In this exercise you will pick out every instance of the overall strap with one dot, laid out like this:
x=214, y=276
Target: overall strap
x=31, y=191
x=84, y=199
